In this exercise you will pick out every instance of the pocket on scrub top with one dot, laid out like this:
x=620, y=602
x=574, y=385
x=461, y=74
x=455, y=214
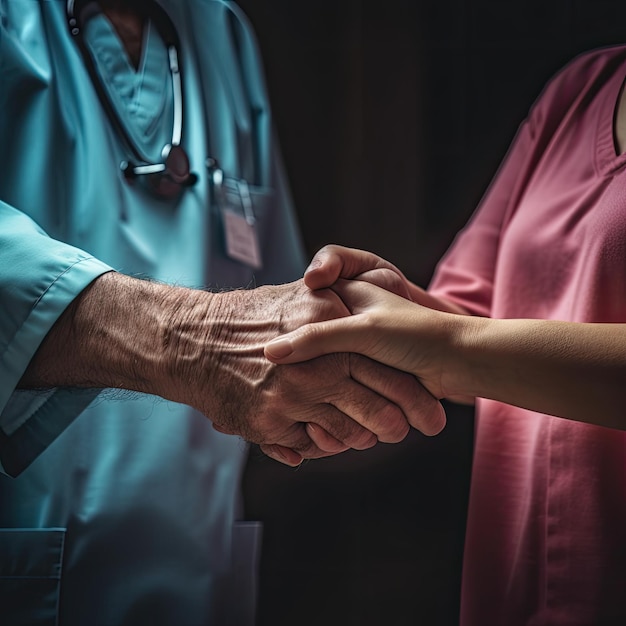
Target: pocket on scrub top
x=30, y=575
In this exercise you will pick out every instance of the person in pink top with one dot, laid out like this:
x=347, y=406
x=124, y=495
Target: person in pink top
x=526, y=313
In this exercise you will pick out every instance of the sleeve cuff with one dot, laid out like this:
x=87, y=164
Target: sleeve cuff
x=31, y=420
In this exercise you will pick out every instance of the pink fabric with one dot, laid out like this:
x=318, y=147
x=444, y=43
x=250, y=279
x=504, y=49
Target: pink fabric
x=546, y=534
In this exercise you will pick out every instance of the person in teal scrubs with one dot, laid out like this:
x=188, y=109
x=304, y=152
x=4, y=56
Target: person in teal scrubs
x=137, y=141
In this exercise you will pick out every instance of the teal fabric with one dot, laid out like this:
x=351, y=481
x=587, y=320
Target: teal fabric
x=30, y=575
x=39, y=278
x=145, y=491
x=142, y=98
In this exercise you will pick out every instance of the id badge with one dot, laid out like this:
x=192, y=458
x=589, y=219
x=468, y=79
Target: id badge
x=242, y=243
x=240, y=234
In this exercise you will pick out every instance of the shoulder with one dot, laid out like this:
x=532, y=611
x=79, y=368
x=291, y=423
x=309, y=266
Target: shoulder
x=586, y=73
x=578, y=84
x=592, y=67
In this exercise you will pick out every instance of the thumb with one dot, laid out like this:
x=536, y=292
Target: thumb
x=325, y=267
x=313, y=340
x=333, y=262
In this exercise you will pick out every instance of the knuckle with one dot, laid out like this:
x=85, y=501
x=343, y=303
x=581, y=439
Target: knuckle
x=308, y=332
x=424, y=406
x=326, y=250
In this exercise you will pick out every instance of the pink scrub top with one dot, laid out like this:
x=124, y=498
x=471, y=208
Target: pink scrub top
x=546, y=533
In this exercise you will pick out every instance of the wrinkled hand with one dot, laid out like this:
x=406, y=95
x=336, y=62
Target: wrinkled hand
x=206, y=350
x=305, y=410
x=383, y=326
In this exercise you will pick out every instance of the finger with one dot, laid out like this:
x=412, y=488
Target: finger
x=332, y=432
x=413, y=402
x=341, y=418
x=359, y=296
x=313, y=340
x=370, y=410
x=333, y=262
x=388, y=280
x=324, y=440
x=281, y=454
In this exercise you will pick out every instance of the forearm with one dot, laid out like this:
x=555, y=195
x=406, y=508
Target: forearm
x=184, y=345
x=566, y=369
x=117, y=333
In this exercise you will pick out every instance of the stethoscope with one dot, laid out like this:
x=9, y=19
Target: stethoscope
x=173, y=172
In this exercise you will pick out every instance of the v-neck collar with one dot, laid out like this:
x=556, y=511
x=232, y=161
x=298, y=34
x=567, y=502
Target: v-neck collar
x=141, y=98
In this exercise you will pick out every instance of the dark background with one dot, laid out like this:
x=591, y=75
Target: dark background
x=393, y=117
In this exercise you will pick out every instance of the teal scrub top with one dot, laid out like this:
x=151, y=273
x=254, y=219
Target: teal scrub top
x=119, y=508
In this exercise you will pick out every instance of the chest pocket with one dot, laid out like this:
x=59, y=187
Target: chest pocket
x=30, y=575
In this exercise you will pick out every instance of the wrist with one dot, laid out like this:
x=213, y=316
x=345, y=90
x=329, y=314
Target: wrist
x=191, y=323
x=464, y=366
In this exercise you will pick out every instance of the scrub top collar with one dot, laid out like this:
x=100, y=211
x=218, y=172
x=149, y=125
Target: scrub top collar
x=142, y=99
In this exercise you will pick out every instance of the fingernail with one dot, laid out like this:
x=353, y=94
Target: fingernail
x=279, y=348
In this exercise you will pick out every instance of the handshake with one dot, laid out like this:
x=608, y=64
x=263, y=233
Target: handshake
x=342, y=375
x=350, y=355
x=335, y=381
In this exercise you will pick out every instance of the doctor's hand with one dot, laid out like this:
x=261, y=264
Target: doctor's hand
x=206, y=350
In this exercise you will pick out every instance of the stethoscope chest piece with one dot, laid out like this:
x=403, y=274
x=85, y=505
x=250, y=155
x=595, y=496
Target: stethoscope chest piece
x=166, y=178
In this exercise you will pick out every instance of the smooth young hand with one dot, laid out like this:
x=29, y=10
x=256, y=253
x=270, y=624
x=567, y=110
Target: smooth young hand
x=383, y=326
x=567, y=369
